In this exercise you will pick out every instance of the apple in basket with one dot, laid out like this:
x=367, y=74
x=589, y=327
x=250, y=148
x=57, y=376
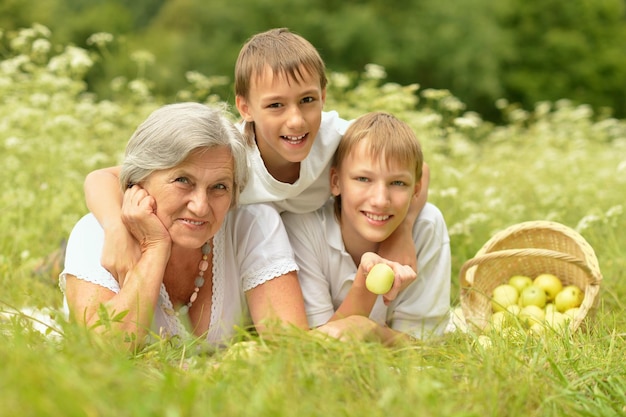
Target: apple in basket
x=503, y=296
x=534, y=296
x=520, y=282
x=550, y=283
x=569, y=297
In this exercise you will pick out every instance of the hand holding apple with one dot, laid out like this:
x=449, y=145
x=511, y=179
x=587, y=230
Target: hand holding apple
x=380, y=279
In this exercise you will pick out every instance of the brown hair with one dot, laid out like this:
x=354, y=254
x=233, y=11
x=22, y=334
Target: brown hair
x=285, y=52
x=387, y=136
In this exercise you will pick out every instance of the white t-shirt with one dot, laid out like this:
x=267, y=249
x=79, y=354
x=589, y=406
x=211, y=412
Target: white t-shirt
x=250, y=248
x=312, y=188
x=327, y=272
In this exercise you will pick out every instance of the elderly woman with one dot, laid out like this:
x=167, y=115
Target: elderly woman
x=205, y=265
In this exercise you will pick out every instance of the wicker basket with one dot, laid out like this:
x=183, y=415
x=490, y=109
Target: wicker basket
x=529, y=248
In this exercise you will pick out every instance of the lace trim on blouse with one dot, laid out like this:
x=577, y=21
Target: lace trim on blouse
x=214, y=333
x=275, y=269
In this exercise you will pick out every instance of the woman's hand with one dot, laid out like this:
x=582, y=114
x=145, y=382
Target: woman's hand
x=139, y=216
x=404, y=274
x=120, y=251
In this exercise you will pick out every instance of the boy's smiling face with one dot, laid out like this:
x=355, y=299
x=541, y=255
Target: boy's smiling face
x=287, y=114
x=375, y=196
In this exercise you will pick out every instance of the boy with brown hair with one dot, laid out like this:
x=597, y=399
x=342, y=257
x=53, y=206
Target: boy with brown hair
x=280, y=85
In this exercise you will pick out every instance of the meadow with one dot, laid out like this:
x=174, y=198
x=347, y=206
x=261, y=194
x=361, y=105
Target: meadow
x=557, y=161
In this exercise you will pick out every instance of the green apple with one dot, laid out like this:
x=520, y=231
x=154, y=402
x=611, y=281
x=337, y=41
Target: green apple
x=497, y=321
x=380, y=279
x=503, y=296
x=569, y=297
x=532, y=314
x=550, y=283
x=556, y=320
x=520, y=282
x=550, y=308
x=514, y=309
x=533, y=296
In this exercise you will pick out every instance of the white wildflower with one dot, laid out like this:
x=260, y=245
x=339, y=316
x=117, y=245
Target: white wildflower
x=41, y=30
x=12, y=142
x=615, y=211
x=586, y=222
x=142, y=57
x=449, y=192
x=465, y=123
x=139, y=88
x=339, y=80
x=502, y=103
x=100, y=39
x=434, y=94
x=452, y=104
x=375, y=72
x=41, y=46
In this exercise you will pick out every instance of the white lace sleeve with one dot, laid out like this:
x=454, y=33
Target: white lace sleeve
x=82, y=258
x=263, y=248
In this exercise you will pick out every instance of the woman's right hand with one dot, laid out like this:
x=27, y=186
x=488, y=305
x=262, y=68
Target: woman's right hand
x=139, y=216
x=120, y=251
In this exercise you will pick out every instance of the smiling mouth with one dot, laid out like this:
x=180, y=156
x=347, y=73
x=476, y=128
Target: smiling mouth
x=192, y=222
x=378, y=218
x=294, y=139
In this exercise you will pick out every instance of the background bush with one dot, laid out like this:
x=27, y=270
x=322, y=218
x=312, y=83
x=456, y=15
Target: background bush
x=480, y=50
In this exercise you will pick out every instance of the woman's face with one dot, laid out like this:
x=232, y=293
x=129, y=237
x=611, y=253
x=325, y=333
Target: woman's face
x=192, y=199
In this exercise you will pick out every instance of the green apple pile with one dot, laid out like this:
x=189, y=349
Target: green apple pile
x=535, y=303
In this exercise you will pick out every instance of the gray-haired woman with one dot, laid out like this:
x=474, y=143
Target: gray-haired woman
x=203, y=261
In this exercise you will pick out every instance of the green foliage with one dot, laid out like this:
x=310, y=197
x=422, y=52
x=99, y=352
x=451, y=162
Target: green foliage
x=567, y=50
x=480, y=50
x=559, y=161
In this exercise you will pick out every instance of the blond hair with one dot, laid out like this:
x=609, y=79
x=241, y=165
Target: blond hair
x=386, y=135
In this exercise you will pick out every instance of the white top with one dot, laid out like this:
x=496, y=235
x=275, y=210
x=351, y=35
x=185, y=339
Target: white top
x=250, y=248
x=312, y=188
x=327, y=271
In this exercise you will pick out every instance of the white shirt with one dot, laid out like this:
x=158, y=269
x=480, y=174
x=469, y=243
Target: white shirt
x=327, y=272
x=312, y=188
x=250, y=248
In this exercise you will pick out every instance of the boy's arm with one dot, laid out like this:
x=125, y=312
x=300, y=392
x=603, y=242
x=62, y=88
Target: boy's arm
x=104, y=199
x=399, y=246
x=360, y=328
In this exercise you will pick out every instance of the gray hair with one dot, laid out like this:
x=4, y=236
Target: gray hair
x=171, y=133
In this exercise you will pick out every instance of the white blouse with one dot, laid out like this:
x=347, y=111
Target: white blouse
x=251, y=248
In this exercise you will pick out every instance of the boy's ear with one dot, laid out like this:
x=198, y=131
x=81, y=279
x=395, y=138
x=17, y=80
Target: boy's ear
x=334, y=181
x=244, y=108
x=417, y=188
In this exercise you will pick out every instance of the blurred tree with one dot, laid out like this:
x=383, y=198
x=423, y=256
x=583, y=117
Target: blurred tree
x=480, y=50
x=568, y=49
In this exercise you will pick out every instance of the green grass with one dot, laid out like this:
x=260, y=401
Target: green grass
x=555, y=162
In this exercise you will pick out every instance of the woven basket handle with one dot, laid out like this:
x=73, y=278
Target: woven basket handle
x=512, y=253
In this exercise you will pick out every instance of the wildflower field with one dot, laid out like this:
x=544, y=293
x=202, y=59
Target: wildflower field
x=558, y=161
